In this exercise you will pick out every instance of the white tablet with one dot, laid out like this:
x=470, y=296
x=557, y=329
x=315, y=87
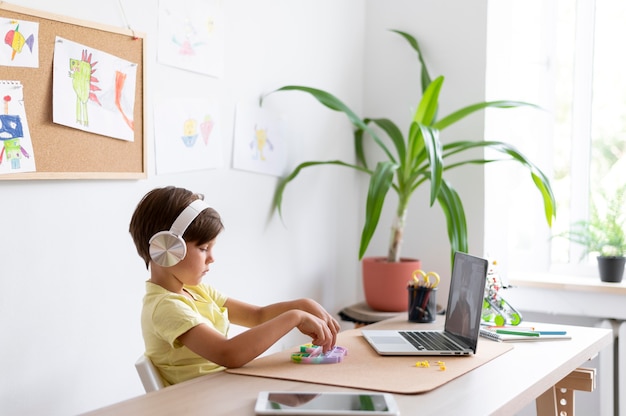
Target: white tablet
x=325, y=403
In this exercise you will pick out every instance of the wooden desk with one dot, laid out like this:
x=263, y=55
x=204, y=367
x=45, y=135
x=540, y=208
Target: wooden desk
x=502, y=386
x=560, y=298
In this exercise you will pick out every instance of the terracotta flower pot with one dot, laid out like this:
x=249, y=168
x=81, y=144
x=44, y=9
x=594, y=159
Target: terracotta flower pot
x=385, y=284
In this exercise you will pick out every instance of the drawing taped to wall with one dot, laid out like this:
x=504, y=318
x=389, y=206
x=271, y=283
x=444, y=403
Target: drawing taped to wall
x=187, y=135
x=93, y=91
x=190, y=35
x=21, y=45
x=16, y=149
x=259, y=141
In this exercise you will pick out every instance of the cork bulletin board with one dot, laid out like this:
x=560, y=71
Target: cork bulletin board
x=63, y=152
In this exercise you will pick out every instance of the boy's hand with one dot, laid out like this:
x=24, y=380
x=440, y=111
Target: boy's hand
x=317, y=310
x=319, y=331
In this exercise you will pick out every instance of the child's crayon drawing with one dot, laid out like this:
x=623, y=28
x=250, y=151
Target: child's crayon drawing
x=187, y=135
x=188, y=39
x=190, y=131
x=259, y=144
x=20, y=47
x=16, y=154
x=84, y=85
x=190, y=35
x=93, y=90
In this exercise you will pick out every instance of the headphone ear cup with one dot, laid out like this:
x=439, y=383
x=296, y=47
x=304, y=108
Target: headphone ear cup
x=167, y=249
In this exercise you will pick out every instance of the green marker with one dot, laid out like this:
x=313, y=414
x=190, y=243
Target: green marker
x=521, y=333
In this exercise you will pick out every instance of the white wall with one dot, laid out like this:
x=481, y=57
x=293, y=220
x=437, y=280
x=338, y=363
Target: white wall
x=70, y=281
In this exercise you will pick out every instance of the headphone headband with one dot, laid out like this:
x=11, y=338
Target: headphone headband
x=186, y=217
x=168, y=248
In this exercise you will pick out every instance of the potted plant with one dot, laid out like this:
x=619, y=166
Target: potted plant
x=411, y=161
x=603, y=234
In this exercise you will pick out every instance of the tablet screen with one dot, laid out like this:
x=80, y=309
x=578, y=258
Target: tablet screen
x=327, y=403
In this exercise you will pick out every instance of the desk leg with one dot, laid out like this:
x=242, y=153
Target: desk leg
x=555, y=402
x=607, y=377
x=559, y=400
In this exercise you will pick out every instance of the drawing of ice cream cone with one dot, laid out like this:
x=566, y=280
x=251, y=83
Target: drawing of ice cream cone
x=206, y=127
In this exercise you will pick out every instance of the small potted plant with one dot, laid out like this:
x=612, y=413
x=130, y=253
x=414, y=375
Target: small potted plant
x=414, y=159
x=604, y=235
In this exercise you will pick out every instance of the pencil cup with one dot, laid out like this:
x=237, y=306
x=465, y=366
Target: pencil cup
x=422, y=304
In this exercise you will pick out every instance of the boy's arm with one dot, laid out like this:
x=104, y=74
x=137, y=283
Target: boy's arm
x=248, y=315
x=243, y=348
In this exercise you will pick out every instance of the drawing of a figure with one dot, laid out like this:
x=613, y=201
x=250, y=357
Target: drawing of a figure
x=16, y=41
x=10, y=134
x=83, y=82
x=190, y=132
x=260, y=141
x=188, y=40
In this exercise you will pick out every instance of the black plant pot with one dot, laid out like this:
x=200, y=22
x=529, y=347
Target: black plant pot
x=611, y=268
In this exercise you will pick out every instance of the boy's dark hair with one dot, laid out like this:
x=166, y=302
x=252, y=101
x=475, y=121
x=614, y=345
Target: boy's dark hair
x=158, y=210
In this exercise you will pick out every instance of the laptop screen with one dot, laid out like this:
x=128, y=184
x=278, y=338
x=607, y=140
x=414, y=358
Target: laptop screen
x=465, y=300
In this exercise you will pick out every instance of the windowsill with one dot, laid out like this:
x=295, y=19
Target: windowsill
x=565, y=282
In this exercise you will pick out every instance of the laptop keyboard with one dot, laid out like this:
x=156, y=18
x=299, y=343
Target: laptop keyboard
x=429, y=341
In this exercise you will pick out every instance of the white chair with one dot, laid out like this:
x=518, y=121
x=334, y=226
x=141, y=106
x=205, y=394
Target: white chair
x=148, y=374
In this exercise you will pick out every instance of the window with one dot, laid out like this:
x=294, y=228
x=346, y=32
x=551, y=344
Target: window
x=566, y=56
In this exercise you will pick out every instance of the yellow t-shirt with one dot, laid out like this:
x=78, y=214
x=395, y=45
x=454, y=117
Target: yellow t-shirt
x=167, y=315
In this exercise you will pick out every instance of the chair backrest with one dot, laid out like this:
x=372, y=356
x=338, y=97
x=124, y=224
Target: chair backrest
x=148, y=374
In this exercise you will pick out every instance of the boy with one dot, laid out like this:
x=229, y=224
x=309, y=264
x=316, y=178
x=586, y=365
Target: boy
x=184, y=321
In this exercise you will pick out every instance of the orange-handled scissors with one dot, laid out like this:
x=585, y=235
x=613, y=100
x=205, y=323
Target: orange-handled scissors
x=423, y=279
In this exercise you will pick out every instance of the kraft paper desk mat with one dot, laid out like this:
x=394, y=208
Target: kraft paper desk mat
x=364, y=369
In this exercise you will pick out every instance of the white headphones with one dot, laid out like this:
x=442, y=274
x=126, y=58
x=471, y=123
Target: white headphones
x=167, y=248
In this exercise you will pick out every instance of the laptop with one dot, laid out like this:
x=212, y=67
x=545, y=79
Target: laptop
x=462, y=327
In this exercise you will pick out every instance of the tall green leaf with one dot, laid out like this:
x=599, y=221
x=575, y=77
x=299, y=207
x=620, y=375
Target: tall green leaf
x=456, y=223
x=380, y=183
x=336, y=104
x=470, y=109
x=435, y=159
x=427, y=108
x=358, y=147
x=541, y=181
x=280, y=189
x=394, y=134
x=425, y=76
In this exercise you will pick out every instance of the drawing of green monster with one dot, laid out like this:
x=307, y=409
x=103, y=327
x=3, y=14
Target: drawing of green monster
x=83, y=82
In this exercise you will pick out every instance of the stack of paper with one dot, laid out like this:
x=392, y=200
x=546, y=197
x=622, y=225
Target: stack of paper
x=523, y=333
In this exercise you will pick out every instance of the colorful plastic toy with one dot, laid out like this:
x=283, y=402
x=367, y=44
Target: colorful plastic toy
x=312, y=354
